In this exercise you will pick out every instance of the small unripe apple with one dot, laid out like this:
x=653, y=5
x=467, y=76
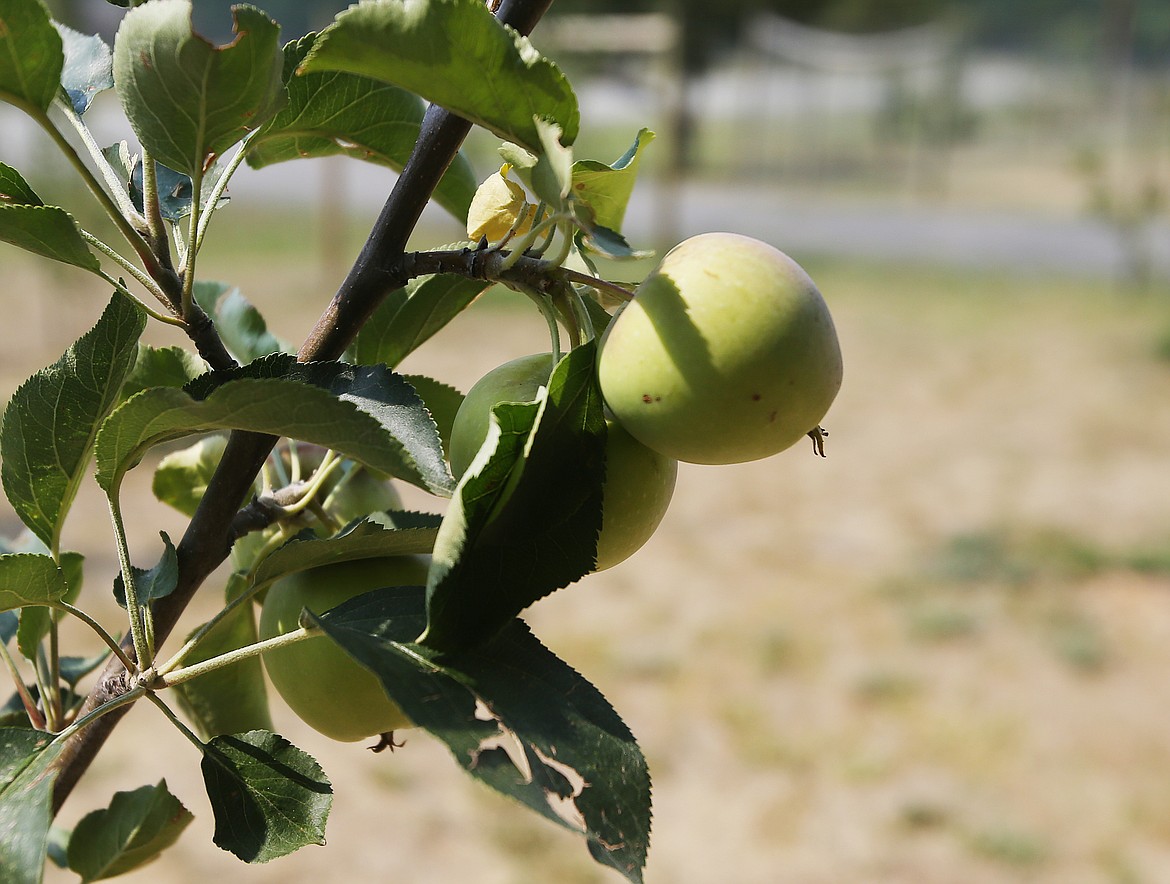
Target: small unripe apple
x=639, y=482
x=322, y=684
x=727, y=353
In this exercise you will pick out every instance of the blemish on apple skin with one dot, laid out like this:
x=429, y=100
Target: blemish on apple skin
x=756, y=397
x=647, y=398
x=772, y=417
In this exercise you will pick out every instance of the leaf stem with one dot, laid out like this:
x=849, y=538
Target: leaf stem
x=125, y=227
x=177, y=660
x=54, y=699
x=192, y=245
x=186, y=673
x=104, y=709
x=39, y=666
x=174, y=719
x=598, y=283
x=109, y=640
x=123, y=262
x=526, y=241
x=330, y=463
x=146, y=308
x=220, y=186
x=155, y=226
x=137, y=628
x=550, y=317
x=30, y=706
x=115, y=187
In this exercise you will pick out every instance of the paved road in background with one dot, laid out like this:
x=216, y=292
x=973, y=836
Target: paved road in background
x=808, y=225
x=802, y=225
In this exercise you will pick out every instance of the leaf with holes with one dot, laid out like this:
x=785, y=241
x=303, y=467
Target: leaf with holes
x=525, y=517
x=187, y=99
x=515, y=716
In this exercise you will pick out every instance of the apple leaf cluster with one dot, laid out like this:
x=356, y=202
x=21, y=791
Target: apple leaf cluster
x=286, y=461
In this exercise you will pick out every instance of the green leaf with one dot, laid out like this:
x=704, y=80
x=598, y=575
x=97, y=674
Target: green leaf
x=364, y=412
x=409, y=534
x=243, y=329
x=338, y=113
x=442, y=402
x=30, y=579
x=269, y=798
x=57, y=847
x=400, y=325
x=26, y=795
x=31, y=57
x=51, y=421
x=132, y=831
x=552, y=176
x=88, y=70
x=47, y=231
x=525, y=517
x=176, y=191
x=376, y=391
x=32, y=622
x=186, y=98
x=121, y=162
x=161, y=367
x=516, y=717
x=155, y=583
x=456, y=54
x=8, y=624
x=234, y=698
x=74, y=669
x=36, y=620
x=181, y=477
x=15, y=190
x=607, y=188
x=601, y=240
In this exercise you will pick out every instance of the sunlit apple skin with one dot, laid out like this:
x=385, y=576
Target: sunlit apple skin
x=316, y=678
x=727, y=353
x=639, y=482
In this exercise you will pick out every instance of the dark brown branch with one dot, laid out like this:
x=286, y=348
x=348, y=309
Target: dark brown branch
x=206, y=542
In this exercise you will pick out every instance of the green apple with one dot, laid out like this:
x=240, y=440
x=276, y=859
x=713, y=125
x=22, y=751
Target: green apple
x=727, y=353
x=639, y=482
x=326, y=688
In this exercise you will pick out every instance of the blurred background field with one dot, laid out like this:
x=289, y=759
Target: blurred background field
x=939, y=655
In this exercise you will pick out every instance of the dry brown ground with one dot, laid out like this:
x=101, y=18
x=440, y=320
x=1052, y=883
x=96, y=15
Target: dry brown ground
x=939, y=656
